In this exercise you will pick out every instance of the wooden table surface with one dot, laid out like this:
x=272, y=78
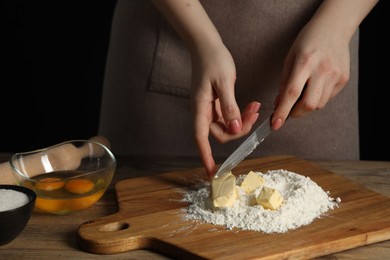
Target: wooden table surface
x=54, y=237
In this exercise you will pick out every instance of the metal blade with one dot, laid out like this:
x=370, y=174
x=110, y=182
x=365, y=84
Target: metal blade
x=246, y=147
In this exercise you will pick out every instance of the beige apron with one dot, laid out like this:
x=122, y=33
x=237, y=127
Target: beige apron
x=145, y=105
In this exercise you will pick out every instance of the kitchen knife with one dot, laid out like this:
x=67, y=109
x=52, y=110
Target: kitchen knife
x=246, y=147
x=250, y=144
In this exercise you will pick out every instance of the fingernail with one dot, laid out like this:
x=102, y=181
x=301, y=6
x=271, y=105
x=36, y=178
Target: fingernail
x=258, y=105
x=277, y=124
x=234, y=126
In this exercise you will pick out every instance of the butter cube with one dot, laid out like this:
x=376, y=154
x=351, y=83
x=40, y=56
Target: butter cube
x=269, y=198
x=251, y=182
x=224, y=190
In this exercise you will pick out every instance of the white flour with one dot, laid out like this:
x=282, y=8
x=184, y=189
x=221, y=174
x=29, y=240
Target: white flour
x=303, y=202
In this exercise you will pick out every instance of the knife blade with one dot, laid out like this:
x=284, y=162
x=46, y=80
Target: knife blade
x=246, y=147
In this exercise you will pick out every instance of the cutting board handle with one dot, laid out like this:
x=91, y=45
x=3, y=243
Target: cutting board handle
x=116, y=234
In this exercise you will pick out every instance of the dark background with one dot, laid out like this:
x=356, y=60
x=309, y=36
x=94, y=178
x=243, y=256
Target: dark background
x=52, y=64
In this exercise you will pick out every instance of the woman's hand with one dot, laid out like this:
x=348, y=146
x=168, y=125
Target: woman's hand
x=317, y=61
x=317, y=66
x=214, y=106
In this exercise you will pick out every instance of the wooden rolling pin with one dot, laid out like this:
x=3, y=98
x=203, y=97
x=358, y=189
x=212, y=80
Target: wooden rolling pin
x=67, y=156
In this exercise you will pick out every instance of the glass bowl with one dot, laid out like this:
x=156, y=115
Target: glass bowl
x=17, y=205
x=67, y=177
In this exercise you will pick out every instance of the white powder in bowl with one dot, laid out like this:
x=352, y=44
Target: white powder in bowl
x=12, y=199
x=303, y=202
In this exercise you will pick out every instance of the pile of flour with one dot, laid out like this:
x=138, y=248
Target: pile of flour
x=303, y=202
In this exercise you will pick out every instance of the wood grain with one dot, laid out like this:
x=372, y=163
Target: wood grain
x=150, y=217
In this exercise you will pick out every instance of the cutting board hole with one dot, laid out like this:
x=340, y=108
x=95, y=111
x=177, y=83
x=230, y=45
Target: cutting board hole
x=115, y=226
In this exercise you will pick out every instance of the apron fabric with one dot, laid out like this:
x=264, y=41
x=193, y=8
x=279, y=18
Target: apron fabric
x=145, y=107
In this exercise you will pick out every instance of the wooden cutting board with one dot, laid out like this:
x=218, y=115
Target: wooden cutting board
x=150, y=217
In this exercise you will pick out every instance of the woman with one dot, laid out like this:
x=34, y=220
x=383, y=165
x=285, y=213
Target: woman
x=227, y=57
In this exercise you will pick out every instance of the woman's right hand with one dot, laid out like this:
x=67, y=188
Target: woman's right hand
x=213, y=102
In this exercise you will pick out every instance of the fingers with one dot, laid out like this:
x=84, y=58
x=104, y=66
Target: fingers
x=249, y=118
x=230, y=111
x=201, y=127
x=206, y=155
x=308, y=83
x=294, y=77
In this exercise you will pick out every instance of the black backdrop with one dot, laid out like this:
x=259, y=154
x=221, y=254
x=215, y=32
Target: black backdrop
x=52, y=63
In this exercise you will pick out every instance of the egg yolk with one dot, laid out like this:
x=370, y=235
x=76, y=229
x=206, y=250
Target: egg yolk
x=79, y=186
x=49, y=184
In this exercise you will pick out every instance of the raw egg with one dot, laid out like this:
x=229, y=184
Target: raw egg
x=48, y=184
x=79, y=186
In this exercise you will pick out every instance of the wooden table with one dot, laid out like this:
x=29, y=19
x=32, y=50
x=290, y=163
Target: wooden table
x=54, y=237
